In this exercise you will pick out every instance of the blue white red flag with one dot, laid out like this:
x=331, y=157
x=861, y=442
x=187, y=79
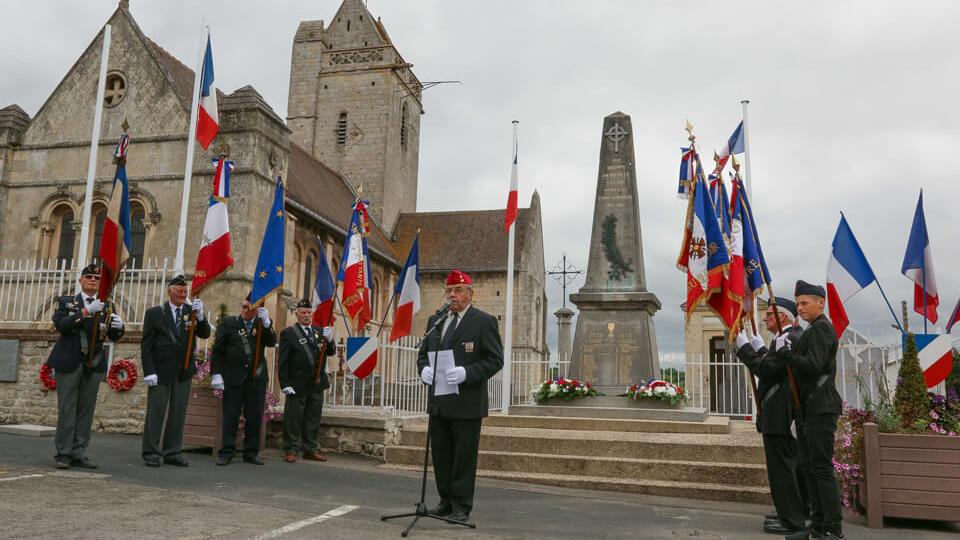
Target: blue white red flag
x=215, y=255
x=848, y=272
x=704, y=254
x=268, y=275
x=208, y=119
x=918, y=266
x=935, y=353
x=408, y=287
x=735, y=144
x=354, y=271
x=688, y=172
x=954, y=317
x=115, y=237
x=511, y=213
x=361, y=356
x=721, y=203
x=754, y=264
x=323, y=291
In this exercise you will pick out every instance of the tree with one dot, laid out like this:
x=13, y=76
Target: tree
x=911, y=399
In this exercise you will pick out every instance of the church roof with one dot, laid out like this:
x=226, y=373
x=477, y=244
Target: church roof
x=470, y=240
x=179, y=75
x=322, y=194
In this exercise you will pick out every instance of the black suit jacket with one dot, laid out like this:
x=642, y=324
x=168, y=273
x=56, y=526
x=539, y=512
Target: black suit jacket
x=776, y=399
x=163, y=348
x=230, y=358
x=476, y=347
x=70, y=350
x=815, y=355
x=296, y=367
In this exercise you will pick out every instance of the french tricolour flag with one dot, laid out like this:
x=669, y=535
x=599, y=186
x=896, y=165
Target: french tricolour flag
x=115, y=237
x=918, y=266
x=361, y=356
x=215, y=255
x=735, y=144
x=208, y=119
x=848, y=272
x=511, y=214
x=354, y=270
x=936, y=357
x=408, y=287
x=323, y=291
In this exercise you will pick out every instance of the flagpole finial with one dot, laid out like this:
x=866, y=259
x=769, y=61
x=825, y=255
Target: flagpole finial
x=736, y=164
x=125, y=125
x=689, y=130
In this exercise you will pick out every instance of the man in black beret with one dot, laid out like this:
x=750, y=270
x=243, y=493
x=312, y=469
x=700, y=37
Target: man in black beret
x=163, y=352
x=303, y=378
x=776, y=418
x=80, y=364
x=814, y=362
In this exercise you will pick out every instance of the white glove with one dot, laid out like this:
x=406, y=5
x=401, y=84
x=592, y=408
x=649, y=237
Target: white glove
x=757, y=343
x=264, y=315
x=94, y=307
x=328, y=333
x=151, y=380
x=115, y=322
x=456, y=375
x=742, y=339
x=781, y=342
x=427, y=375
x=216, y=382
x=288, y=391
x=198, y=308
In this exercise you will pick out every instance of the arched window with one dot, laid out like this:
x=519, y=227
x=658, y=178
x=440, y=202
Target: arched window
x=342, y=129
x=67, y=236
x=138, y=235
x=403, y=126
x=307, y=272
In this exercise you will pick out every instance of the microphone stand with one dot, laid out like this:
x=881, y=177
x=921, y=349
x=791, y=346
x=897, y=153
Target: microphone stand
x=421, y=510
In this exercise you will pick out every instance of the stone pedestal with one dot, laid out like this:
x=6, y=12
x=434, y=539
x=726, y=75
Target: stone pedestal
x=615, y=344
x=564, y=316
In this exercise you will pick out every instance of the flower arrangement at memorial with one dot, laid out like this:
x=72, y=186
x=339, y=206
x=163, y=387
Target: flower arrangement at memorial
x=656, y=390
x=48, y=380
x=122, y=375
x=563, y=388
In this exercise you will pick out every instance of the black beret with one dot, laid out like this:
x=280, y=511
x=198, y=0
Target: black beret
x=809, y=289
x=92, y=269
x=304, y=304
x=787, y=304
x=177, y=280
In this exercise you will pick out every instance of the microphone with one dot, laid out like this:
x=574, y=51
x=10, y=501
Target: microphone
x=441, y=316
x=444, y=308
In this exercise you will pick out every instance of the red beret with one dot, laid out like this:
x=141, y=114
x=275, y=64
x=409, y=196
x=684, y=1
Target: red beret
x=457, y=277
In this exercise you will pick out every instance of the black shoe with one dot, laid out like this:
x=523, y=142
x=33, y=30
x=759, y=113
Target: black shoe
x=176, y=462
x=253, y=460
x=797, y=535
x=83, y=463
x=459, y=515
x=63, y=464
x=771, y=517
x=777, y=527
x=441, y=509
x=151, y=462
x=831, y=536
x=224, y=460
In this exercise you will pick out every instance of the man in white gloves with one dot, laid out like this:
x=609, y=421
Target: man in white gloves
x=303, y=378
x=239, y=368
x=168, y=370
x=80, y=366
x=455, y=419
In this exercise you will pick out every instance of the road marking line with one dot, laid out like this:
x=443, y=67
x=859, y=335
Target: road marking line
x=12, y=478
x=339, y=511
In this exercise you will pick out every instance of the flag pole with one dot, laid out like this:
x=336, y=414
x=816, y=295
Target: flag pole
x=508, y=315
x=94, y=146
x=191, y=140
x=883, y=294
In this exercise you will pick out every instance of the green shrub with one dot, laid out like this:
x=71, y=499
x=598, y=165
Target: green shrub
x=910, y=400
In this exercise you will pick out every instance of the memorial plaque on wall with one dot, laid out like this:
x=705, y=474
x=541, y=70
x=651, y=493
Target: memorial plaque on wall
x=9, y=359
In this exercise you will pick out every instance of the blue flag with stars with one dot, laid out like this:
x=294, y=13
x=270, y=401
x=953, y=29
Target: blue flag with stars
x=269, y=274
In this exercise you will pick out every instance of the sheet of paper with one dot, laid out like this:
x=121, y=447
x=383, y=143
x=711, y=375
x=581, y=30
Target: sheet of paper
x=441, y=362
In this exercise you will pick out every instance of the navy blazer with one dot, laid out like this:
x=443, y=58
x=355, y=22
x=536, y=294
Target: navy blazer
x=229, y=354
x=295, y=367
x=163, y=348
x=69, y=321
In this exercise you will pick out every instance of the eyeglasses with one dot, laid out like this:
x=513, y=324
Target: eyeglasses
x=94, y=277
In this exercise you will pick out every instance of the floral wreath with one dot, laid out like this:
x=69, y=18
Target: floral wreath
x=122, y=375
x=48, y=378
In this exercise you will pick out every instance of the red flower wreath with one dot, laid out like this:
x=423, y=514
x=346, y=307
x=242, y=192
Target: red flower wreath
x=122, y=375
x=47, y=379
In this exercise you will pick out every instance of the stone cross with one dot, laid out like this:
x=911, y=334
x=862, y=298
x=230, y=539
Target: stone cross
x=616, y=134
x=115, y=94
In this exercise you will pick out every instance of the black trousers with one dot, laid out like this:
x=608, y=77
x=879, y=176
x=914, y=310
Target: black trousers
x=454, y=445
x=249, y=398
x=824, y=491
x=782, y=453
x=301, y=422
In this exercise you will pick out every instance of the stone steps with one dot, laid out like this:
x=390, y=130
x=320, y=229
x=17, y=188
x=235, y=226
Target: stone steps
x=713, y=424
x=732, y=474
x=662, y=488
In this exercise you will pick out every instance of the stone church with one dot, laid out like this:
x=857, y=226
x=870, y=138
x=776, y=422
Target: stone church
x=353, y=128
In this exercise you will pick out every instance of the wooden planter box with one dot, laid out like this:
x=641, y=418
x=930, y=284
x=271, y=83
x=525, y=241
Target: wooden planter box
x=910, y=476
x=204, y=424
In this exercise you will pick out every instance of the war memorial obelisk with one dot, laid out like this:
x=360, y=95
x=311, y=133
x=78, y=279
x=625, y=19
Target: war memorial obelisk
x=615, y=343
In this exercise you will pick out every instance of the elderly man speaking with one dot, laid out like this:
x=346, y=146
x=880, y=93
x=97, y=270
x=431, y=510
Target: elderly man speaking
x=474, y=338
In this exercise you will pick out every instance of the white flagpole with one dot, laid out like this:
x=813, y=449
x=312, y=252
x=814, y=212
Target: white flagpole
x=94, y=146
x=191, y=140
x=508, y=316
x=748, y=185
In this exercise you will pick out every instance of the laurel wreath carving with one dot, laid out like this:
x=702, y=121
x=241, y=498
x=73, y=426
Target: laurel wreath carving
x=619, y=267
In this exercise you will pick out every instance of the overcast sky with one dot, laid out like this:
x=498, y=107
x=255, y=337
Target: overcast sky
x=853, y=109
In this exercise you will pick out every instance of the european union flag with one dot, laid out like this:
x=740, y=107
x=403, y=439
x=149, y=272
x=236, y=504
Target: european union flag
x=269, y=274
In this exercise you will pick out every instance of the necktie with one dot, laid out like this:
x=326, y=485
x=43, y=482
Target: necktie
x=179, y=319
x=89, y=299
x=309, y=334
x=447, y=340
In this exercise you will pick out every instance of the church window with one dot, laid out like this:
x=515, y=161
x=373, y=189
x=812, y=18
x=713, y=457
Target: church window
x=348, y=25
x=115, y=89
x=67, y=237
x=138, y=235
x=403, y=126
x=307, y=268
x=342, y=129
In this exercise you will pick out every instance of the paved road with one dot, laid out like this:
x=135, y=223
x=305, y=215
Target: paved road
x=341, y=499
